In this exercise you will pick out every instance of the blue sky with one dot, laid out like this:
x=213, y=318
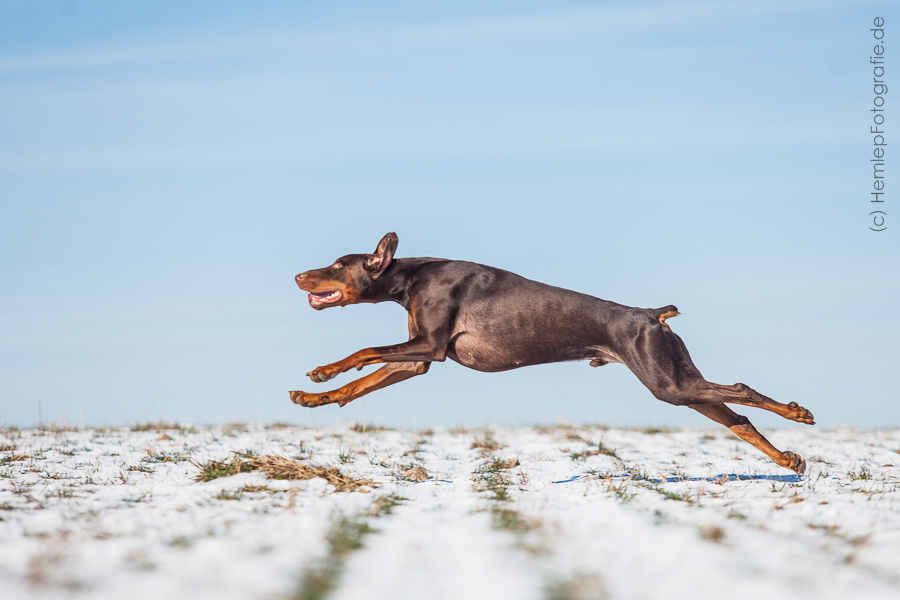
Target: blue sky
x=166, y=168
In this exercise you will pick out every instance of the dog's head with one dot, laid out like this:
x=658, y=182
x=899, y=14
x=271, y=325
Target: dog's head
x=347, y=279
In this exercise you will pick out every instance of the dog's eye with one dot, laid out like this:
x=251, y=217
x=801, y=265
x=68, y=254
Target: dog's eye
x=338, y=265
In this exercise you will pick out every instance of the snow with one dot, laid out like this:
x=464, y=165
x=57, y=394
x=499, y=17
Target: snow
x=112, y=513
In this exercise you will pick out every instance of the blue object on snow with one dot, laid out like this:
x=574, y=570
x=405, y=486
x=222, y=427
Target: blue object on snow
x=435, y=480
x=723, y=477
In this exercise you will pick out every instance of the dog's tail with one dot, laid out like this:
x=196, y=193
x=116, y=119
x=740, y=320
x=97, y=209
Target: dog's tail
x=664, y=313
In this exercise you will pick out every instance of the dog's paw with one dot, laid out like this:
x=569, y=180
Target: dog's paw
x=322, y=374
x=798, y=465
x=800, y=414
x=309, y=400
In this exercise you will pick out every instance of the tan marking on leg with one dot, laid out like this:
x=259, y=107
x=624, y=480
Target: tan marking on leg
x=387, y=375
x=747, y=432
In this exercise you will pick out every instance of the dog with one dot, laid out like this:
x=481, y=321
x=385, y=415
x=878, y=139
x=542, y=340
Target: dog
x=492, y=320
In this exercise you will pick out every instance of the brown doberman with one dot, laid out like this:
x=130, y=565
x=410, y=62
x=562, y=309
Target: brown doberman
x=489, y=319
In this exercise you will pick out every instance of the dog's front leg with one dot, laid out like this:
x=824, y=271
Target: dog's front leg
x=418, y=349
x=383, y=377
x=357, y=359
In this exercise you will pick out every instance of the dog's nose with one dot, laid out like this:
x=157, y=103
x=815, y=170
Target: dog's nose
x=300, y=278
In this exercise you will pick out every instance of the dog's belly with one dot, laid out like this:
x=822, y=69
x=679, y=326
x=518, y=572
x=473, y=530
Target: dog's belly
x=533, y=324
x=484, y=354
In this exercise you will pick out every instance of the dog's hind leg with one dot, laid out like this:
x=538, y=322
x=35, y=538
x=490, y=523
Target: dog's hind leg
x=740, y=393
x=744, y=429
x=387, y=375
x=664, y=365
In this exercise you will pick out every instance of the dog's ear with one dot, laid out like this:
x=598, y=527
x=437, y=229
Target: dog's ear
x=384, y=253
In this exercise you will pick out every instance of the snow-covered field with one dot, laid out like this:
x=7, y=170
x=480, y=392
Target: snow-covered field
x=528, y=512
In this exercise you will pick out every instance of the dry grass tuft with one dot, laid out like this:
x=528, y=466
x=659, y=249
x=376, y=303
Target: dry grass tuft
x=713, y=533
x=154, y=426
x=279, y=467
x=601, y=449
x=486, y=444
x=14, y=458
x=216, y=468
x=364, y=427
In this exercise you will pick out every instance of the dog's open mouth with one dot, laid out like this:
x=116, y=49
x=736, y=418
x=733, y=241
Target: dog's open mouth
x=320, y=299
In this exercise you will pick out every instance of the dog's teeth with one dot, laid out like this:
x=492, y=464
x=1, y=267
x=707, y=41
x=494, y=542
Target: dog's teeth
x=318, y=298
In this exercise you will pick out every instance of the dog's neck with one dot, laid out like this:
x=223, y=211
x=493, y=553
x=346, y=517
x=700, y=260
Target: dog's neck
x=395, y=282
